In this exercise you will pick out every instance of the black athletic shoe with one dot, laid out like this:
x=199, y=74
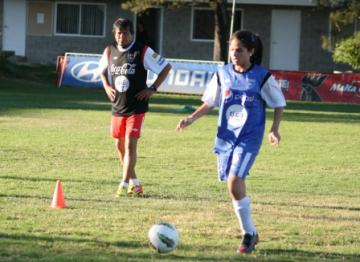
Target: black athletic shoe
x=248, y=243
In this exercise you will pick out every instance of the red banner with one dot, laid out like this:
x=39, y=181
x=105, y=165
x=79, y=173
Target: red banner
x=311, y=86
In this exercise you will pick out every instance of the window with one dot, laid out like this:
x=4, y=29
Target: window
x=203, y=23
x=80, y=19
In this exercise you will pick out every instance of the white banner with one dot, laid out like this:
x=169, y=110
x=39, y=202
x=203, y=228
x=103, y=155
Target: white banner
x=187, y=76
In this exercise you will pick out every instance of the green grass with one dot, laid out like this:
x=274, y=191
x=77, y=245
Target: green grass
x=305, y=193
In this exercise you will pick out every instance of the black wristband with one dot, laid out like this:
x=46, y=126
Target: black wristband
x=153, y=88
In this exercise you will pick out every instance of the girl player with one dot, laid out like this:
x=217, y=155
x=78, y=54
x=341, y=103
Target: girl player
x=241, y=90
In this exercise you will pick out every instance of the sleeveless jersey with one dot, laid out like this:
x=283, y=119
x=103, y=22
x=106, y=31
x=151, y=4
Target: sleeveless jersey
x=128, y=76
x=242, y=110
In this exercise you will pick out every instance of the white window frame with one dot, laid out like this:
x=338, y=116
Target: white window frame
x=79, y=25
x=208, y=8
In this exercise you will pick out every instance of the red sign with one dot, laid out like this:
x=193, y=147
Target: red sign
x=312, y=86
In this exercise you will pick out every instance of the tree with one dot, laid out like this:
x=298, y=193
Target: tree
x=221, y=38
x=348, y=51
x=344, y=13
x=220, y=18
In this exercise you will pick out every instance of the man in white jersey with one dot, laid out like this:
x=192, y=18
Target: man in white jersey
x=123, y=70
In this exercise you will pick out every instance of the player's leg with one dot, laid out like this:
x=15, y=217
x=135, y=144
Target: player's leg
x=133, y=132
x=130, y=158
x=120, y=147
x=239, y=169
x=118, y=133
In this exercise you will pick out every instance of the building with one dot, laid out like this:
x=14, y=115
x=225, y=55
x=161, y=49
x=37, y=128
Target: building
x=291, y=30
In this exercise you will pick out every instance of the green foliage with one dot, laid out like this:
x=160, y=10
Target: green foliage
x=33, y=72
x=348, y=51
x=305, y=193
x=139, y=6
x=343, y=13
x=335, y=3
x=5, y=66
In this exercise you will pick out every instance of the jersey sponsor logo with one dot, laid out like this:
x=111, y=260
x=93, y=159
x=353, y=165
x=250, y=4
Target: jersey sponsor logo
x=244, y=84
x=86, y=71
x=154, y=55
x=247, y=99
x=131, y=56
x=122, y=84
x=236, y=116
x=125, y=69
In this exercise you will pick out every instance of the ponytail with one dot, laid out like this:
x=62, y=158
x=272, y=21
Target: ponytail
x=250, y=41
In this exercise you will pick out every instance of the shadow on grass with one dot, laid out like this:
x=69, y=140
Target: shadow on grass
x=20, y=94
x=356, y=209
x=301, y=255
x=150, y=197
x=55, y=238
x=32, y=246
x=136, y=251
x=323, y=107
x=319, y=117
x=67, y=180
x=107, y=200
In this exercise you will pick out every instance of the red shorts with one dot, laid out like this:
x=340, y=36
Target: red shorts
x=122, y=126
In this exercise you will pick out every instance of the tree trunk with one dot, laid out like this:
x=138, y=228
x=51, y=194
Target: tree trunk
x=220, y=40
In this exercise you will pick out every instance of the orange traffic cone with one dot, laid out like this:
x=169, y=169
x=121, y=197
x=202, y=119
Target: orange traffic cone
x=58, y=197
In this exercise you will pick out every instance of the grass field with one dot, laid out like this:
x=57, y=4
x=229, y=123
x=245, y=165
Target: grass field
x=305, y=193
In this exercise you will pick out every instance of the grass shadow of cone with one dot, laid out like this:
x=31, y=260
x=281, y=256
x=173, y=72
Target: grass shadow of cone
x=58, y=197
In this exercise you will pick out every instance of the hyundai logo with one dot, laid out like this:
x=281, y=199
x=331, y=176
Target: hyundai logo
x=86, y=72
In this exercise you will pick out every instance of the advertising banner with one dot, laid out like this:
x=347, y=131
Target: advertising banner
x=187, y=76
x=312, y=86
x=79, y=70
x=191, y=77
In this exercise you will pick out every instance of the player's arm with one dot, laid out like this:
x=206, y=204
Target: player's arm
x=274, y=135
x=159, y=66
x=199, y=112
x=161, y=78
x=103, y=68
x=274, y=98
x=210, y=98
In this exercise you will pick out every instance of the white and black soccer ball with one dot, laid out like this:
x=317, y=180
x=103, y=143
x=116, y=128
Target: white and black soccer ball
x=163, y=237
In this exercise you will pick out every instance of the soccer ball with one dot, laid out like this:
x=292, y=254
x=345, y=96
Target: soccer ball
x=163, y=237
